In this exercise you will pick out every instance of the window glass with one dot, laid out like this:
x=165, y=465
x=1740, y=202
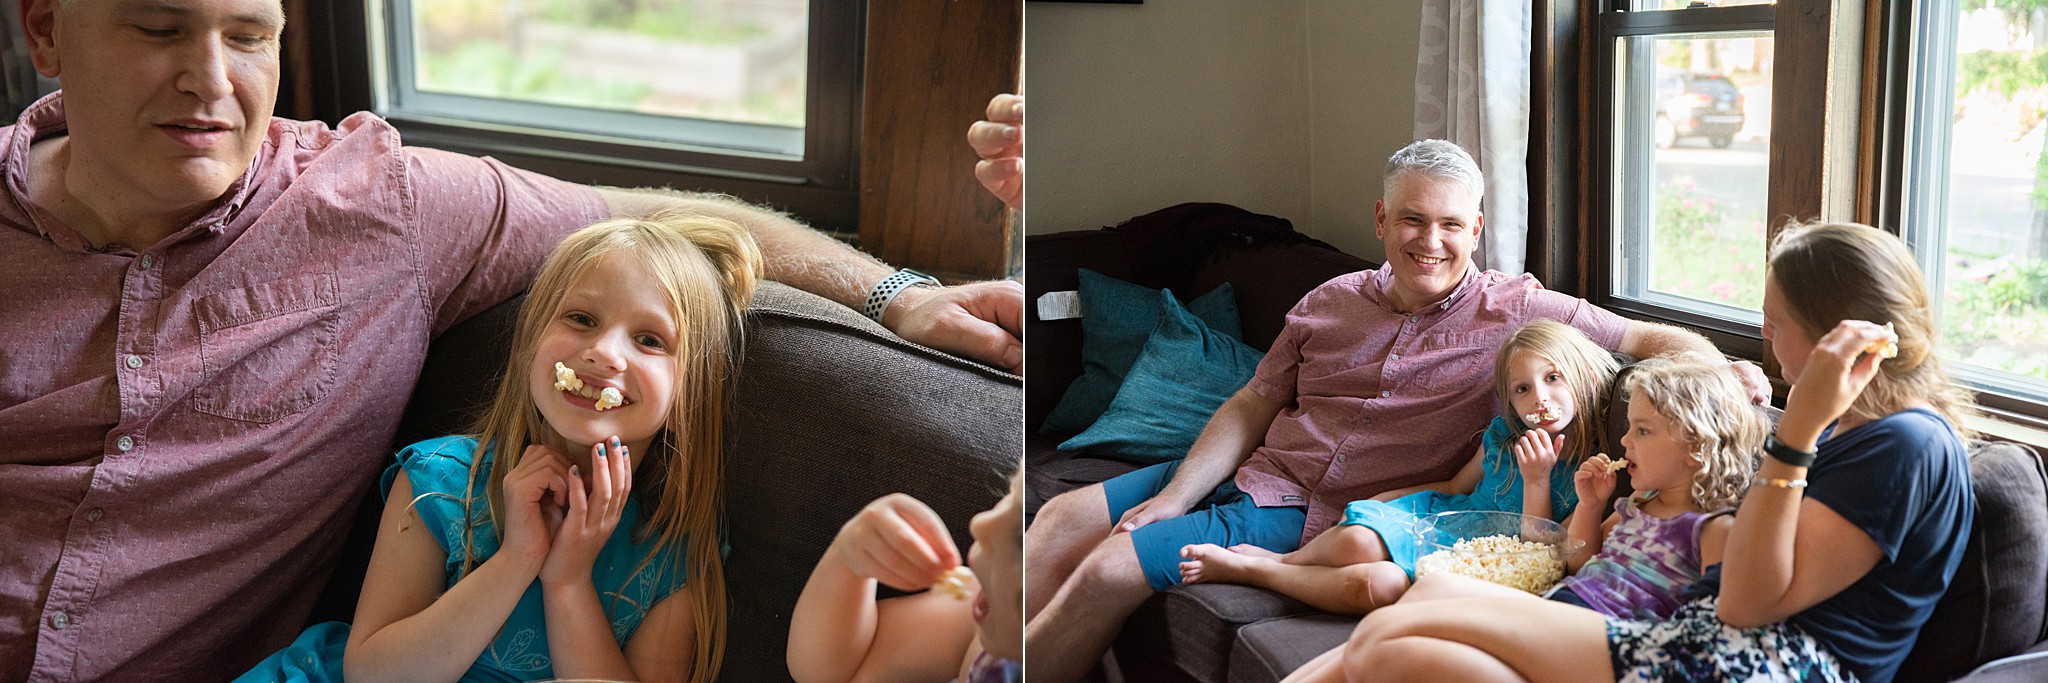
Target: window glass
x=716, y=73
x=1692, y=139
x=1978, y=196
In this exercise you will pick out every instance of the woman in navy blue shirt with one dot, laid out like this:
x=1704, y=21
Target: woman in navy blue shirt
x=1847, y=539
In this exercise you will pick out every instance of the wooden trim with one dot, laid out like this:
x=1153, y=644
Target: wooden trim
x=1813, y=144
x=1557, y=161
x=932, y=66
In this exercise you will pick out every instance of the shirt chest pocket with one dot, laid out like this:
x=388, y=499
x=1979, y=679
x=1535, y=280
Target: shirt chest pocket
x=268, y=350
x=1457, y=361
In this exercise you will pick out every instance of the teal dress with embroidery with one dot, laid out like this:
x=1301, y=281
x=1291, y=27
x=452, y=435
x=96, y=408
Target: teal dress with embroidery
x=629, y=580
x=1499, y=490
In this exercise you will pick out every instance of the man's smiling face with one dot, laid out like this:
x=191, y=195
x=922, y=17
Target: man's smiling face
x=1429, y=226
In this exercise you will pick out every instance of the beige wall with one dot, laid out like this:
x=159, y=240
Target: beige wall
x=1285, y=107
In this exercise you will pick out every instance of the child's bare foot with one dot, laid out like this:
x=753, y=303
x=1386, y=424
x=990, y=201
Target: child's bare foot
x=1250, y=550
x=1209, y=563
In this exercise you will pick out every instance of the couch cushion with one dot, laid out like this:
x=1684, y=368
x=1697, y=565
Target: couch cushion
x=1995, y=606
x=1192, y=626
x=1116, y=319
x=1186, y=370
x=1269, y=650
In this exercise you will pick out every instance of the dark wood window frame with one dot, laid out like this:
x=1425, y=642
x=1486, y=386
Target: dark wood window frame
x=1838, y=149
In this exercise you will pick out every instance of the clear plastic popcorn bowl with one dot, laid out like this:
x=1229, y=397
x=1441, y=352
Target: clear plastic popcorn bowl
x=1510, y=549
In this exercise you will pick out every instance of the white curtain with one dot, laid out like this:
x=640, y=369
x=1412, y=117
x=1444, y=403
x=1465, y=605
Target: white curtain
x=1472, y=88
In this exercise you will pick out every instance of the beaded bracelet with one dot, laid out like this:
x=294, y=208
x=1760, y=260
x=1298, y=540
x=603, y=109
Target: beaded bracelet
x=1780, y=483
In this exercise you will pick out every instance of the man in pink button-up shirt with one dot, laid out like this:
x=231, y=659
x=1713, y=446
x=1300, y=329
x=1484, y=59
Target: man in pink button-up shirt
x=1380, y=380
x=212, y=320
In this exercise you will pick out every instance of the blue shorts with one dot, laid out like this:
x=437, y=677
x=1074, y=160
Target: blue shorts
x=1228, y=517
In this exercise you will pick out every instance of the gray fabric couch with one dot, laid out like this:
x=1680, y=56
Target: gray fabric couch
x=832, y=411
x=1995, y=615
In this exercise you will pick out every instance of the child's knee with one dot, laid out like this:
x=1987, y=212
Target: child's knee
x=1374, y=585
x=1359, y=545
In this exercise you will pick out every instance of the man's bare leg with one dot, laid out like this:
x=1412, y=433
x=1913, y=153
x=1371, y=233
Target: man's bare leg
x=1067, y=638
x=1065, y=530
x=1350, y=589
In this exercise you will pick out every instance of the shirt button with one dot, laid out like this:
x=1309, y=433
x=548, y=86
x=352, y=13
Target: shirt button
x=126, y=443
x=145, y=261
x=93, y=515
x=60, y=620
x=1385, y=394
x=1393, y=356
x=1340, y=458
x=134, y=361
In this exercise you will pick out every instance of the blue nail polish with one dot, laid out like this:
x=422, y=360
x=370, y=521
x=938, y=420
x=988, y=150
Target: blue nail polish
x=600, y=450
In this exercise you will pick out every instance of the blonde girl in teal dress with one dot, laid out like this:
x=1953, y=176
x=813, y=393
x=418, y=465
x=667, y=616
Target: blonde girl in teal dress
x=576, y=533
x=1547, y=377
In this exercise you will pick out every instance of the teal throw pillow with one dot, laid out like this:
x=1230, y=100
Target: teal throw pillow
x=1116, y=318
x=1185, y=371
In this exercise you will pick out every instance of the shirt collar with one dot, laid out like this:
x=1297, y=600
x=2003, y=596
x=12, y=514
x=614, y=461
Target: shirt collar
x=45, y=119
x=1385, y=275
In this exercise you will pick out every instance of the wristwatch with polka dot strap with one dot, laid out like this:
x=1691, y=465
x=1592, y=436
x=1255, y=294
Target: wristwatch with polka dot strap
x=886, y=291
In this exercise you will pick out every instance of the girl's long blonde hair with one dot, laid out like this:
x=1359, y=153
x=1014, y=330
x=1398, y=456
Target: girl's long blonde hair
x=708, y=267
x=1831, y=272
x=1710, y=413
x=1588, y=368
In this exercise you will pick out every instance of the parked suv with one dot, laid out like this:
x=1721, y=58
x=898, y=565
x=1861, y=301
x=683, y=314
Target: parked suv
x=1690, y=104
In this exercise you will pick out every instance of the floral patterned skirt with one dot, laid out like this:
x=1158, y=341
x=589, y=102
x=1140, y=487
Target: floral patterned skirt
x=1693, y=645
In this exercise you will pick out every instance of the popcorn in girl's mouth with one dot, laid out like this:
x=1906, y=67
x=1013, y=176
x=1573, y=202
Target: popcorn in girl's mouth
x=954, y=585
x=566, y=380
x=1545, y=412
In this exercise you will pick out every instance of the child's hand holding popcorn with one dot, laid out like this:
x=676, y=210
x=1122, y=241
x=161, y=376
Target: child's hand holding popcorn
x=1595, y=479
x=900, y=542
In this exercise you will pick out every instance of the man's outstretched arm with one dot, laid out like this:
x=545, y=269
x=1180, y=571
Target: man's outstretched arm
x=1226, y=442
x=982, y=320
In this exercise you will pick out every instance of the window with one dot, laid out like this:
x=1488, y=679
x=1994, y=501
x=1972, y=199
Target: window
x=757, y=98
x=1975, y=199
x=1938, y=134
x=715, y=74
x=1689, y=143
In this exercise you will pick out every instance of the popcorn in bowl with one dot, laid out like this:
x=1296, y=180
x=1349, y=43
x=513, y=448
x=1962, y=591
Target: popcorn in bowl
x=1510, y=549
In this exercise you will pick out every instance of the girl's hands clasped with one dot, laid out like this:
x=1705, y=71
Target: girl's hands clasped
x=589, y=518
x=536, y=491
x=898, y=541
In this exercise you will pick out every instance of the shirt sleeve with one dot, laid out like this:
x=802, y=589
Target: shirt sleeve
x=1887, y=456
x=1604, y=327
x=1278, y=370
x=484, y=227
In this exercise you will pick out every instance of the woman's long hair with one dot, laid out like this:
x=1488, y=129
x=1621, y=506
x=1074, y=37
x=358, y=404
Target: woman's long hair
x=1831, y=272
x=708, y=267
